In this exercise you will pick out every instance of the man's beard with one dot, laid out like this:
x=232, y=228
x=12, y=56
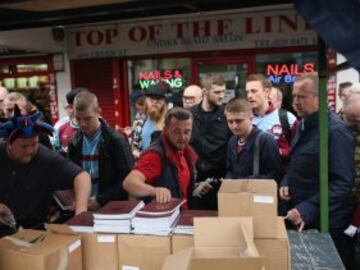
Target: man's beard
x=154, y=113
x=212, y=103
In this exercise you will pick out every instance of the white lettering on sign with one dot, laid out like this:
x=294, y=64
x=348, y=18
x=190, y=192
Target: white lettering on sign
x=238, y=30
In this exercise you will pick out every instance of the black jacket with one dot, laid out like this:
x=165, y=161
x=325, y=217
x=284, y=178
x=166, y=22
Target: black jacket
x=169, y=177
x=209, y=140
x=303, y=177
x=115, y=162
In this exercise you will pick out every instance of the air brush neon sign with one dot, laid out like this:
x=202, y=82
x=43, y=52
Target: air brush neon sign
x=287, y=73
x=173, y=77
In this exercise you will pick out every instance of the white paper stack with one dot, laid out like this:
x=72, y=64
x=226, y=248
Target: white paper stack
x=156, y=218
x=116, y=216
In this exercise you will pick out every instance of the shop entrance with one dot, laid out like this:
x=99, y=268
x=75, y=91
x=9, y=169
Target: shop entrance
x=234, y=70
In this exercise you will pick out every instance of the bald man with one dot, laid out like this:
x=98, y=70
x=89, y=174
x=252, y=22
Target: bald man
x=276, y=97
x=3, y=93
x=192, y=96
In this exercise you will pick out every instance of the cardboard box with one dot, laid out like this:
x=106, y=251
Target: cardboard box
x=143, y=252
x=40, y=250
x=277, y=250
x=99, y=251
x=219, y=243
x=255, y=198
x=180, y=242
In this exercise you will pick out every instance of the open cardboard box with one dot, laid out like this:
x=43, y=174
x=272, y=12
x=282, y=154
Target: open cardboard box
x=276, y=251
x=256, y=198
x=40, y=250
x=99, y=250
x=219, y=243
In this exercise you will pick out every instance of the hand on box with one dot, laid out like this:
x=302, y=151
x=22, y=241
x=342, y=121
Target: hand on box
x=162, y=195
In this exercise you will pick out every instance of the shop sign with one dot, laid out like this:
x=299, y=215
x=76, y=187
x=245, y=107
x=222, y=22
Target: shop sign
x=287, y=73
x=173, y=77
x=189, y=33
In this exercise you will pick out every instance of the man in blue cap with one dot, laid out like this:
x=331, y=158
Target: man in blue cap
x=30, y=173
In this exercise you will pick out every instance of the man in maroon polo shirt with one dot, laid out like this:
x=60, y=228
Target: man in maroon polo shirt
x=166, y=169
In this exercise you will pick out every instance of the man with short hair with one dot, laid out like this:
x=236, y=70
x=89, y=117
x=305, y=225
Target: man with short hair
x=12, y=99
x=192, y=96
x=276, y=97
x=66, y=128
x=166, y=169
x=267, y=117
x=3, y=94
x=300, y=186
x=100, y=150
x=30, y=173
x=249, y=145
x=210, y=135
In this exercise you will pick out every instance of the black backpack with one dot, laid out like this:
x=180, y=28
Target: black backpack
x=284, y=121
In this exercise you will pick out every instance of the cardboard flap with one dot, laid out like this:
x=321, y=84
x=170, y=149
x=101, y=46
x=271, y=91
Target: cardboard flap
x=248, y=185
x=222, y=231
x=179, y=261
x=14, y=243
x=60, y=229
x=282, y=232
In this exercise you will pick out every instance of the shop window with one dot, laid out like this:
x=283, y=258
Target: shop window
x=145, y=72
x=282, y=70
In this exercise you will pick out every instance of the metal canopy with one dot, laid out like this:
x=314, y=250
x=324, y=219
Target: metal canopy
x=20, y=14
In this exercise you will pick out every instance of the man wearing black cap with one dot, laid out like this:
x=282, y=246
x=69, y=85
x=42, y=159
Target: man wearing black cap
x=30, y=173
x=155, y=110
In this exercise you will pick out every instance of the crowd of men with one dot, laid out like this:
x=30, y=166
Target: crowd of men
x=185, y=152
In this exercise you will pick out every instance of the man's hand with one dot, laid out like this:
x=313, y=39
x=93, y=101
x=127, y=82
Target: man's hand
x=5, y=214
x=284, y=193
x=295, y=217
x=162, y=195
x=202, y=188
x=93, y=204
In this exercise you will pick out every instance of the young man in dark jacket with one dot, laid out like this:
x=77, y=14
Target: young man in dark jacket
x=167, y=168
x=301, y=184
x=249, y=145
x=210, y=136
x=101, y=151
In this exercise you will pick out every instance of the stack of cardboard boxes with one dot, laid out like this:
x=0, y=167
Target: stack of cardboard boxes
x=246, y=234
x=256, y=199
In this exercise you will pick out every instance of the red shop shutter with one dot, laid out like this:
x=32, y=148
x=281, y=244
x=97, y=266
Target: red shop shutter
x=96, y=74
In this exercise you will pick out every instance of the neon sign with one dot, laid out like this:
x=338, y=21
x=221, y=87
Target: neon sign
x=173, y=77
x=287, y=72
